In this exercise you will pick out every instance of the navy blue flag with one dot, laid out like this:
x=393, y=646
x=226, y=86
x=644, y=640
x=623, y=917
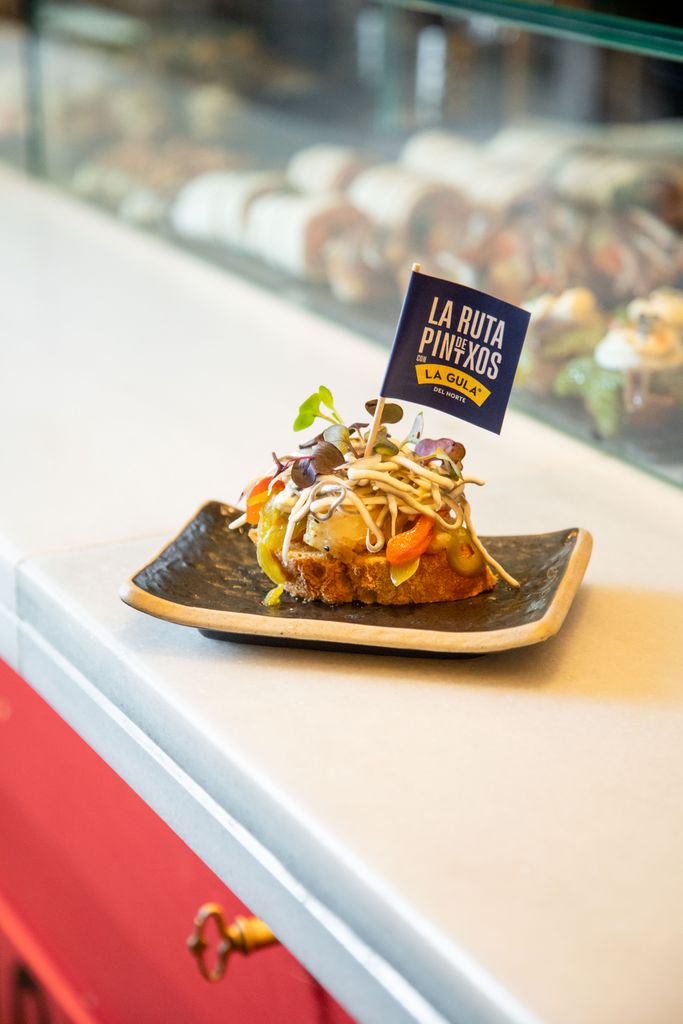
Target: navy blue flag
x=456, y=349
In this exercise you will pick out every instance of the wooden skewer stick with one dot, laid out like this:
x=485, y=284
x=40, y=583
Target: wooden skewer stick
x=377, y=419
x=372, y=436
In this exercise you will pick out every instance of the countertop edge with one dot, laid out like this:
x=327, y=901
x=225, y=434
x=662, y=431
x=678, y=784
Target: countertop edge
x=422, y=984
x=357, y=976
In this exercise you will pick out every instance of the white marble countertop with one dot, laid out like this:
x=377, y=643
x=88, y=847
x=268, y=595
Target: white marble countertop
x=496, y=840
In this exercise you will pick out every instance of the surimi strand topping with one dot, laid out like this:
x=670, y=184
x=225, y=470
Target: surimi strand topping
x=378, y=490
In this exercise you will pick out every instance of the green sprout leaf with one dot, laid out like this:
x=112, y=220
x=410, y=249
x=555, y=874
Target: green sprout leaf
x=304, y=420
x=326, y=396
x=327, y=400
x=312, y=402
x=309, y=410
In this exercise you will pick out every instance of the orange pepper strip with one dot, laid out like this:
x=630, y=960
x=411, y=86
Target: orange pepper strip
x=411, y=543
x=258, y=496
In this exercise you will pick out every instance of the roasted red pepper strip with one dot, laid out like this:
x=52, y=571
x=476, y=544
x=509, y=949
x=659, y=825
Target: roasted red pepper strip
x=258, y=496
x=411, y=543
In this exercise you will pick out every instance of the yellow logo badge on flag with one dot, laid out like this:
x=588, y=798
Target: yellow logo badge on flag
x=440, y=376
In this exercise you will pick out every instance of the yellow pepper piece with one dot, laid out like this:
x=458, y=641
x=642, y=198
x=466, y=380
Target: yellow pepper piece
x=402, y=572
x=463, y=557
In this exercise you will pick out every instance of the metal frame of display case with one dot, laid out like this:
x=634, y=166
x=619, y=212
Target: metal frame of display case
x=615, y=31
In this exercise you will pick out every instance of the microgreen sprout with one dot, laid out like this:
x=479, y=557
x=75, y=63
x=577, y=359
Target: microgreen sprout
x=311, y=442
x=384, y=445
x=310, y=409
x=391, y=413
x=447, y=461
x=279, y=464
x=323, y=458
x=339, y=436
x=428, y=447
x=449, y=452
x=416, y=429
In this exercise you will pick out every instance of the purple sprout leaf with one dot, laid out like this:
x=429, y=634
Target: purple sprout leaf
x=326, y=457
x=279, y=464
x=304, y=473
x=339, y=436
x=429, y=447
x=391, y=413
x=312, y=442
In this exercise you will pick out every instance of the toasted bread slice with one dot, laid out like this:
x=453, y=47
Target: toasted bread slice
x=317, y=576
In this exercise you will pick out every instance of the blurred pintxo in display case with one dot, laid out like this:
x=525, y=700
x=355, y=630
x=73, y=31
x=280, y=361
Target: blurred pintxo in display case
x=320, y=151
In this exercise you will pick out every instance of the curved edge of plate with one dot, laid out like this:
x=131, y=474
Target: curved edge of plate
x=307, y=630
x=566, y=592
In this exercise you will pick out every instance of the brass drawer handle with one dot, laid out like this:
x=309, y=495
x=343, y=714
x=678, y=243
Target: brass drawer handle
x=245, y=935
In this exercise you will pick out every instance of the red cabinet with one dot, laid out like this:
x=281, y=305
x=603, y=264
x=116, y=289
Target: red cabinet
x=97, y=897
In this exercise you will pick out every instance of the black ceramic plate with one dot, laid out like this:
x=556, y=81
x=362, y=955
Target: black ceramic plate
x=208, y=577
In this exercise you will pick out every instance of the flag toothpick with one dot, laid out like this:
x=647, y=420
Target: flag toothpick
x=456, y=349
x=377, y=418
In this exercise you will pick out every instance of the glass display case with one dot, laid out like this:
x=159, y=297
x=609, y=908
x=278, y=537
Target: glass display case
x=534, y=152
